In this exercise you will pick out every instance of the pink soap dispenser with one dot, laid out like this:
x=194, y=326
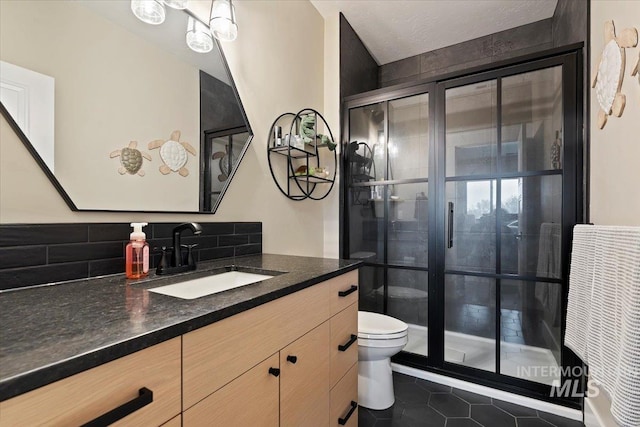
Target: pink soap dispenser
x=137, y=253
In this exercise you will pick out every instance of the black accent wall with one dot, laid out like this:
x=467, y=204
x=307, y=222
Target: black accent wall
x=569, y=25
x=358, y=69
x=33, y=254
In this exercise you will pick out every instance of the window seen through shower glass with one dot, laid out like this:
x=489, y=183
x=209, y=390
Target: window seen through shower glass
x=471, y=225
x=366, y=128
x=409, y=138
x=407, y=300
x=530, y=330
x=531, y=231
x=471, y=129
x=470, y=321
x=532, y=118
x=407, y=225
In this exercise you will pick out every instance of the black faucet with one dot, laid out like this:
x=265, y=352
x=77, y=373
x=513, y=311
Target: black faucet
x=176, y=258
x=177, y=265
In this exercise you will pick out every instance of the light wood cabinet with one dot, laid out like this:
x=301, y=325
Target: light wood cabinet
x=344, y=343
x=344, y=397
x=85, y=396
x=250, y=400
x=218, y=353
x=304, y=381
x=344, y=291
x=301, y=335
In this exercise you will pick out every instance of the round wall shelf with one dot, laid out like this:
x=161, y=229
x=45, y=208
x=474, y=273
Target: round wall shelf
x=302, y=156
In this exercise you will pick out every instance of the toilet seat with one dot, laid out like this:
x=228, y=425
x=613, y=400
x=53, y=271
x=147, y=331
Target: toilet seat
x=376, y=326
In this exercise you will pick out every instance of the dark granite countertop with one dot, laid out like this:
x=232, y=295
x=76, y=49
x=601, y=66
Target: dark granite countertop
x=54, y=331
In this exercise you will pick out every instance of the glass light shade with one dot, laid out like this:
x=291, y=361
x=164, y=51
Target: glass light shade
x=149, y=11
x=177, y=4
x=223, y=20
x=198, y=36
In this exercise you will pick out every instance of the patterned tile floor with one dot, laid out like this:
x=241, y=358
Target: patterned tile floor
x=421, y=403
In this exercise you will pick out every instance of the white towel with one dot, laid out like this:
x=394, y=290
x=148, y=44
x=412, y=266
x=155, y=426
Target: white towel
x=603, y=314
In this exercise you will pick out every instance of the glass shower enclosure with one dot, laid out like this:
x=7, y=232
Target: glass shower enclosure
x=460, y=196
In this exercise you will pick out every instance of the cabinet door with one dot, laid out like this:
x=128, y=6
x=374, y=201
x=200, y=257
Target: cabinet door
x=344, y=291
x=344, y=343
x=216, y=354
x=249, y=400
x=344, y=398
x=304, y=383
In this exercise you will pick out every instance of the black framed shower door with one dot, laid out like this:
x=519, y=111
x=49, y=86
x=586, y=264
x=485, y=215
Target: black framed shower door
x=460, y=196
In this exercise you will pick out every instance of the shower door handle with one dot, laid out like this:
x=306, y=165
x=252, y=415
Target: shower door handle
x=450, y=226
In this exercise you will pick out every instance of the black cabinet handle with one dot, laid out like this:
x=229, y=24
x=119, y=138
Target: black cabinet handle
x=450, y=221
x=343, y=421
x=351, y=290
x=145, y=397
x=274, y=371
x=292, y=359
x=346, y=345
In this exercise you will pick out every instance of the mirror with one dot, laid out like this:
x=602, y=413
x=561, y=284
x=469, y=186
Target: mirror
x=122, y=115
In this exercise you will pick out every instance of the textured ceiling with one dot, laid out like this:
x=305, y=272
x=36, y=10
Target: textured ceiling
x=398, y=29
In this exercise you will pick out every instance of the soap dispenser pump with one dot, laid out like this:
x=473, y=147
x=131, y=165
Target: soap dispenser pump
x=137, y=253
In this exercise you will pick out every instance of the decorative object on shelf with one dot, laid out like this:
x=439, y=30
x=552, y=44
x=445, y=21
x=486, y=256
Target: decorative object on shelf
x=131, y=159
x=610, y=74
x=362, y=169
x=173, y=153
x=308, y=131
x=556, y=152
x=222, y=21
x=308, y=165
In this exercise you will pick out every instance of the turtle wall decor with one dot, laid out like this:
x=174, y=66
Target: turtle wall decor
x=173, y=153
x=225, y=157
x=608, y=78
x=636, y=68
x=131, y=159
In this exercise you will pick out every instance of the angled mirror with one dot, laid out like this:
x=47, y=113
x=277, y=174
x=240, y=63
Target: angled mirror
x=122, y=115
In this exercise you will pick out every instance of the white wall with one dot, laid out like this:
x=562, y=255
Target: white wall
x=332, y=115
x=278, y=65
x=615, y=150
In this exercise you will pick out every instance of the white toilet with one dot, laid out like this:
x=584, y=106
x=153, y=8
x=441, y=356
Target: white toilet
x=379, y=338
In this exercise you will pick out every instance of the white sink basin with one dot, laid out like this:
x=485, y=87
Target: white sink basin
x=197, y=288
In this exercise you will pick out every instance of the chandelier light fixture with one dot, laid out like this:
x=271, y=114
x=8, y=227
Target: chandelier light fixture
x=199, y=36
x=149, y=11
x=177, y=4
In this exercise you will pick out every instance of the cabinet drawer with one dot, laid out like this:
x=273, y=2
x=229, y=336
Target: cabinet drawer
x=343, y=293
x=85, y=396
x=344, y=397
x=174, y=422
x=218, y=353
x=344, y=343
x=304, y=380
x=252, y=399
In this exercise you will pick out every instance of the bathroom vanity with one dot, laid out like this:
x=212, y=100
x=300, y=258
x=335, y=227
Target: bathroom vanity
x=277, y=352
